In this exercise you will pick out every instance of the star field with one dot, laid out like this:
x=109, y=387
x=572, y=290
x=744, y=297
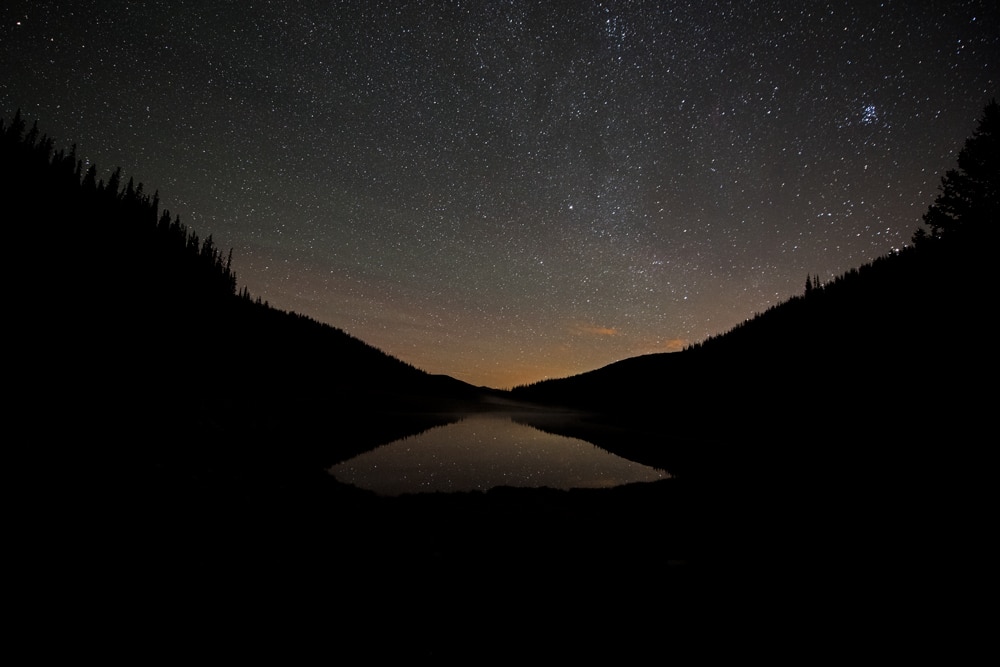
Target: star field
x=507, y=191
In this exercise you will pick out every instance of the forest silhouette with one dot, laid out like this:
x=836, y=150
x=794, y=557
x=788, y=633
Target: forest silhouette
x=191, y=425
x=890, y=347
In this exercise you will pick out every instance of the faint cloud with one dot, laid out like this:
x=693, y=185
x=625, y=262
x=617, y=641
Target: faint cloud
x=672, y=345
x=660, y=345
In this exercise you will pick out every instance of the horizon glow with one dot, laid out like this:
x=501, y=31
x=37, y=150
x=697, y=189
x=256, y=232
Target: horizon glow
x=507, y=192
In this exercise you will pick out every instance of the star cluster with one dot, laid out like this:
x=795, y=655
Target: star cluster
x=506, y=191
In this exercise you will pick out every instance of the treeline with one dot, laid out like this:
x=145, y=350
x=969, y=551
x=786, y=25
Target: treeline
x=879, y=340
x=884, y=307
x=109, y=231
x=890, y=306
x=879, y=347
x=130, y=320
x=168, y=426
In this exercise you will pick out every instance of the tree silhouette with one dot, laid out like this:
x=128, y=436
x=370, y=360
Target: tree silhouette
x=969, y=202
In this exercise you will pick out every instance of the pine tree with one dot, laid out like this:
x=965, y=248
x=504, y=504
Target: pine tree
x=969, y=202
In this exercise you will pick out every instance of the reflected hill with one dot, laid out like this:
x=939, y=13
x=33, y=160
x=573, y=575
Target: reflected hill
x=627, y=440
x=485, y=451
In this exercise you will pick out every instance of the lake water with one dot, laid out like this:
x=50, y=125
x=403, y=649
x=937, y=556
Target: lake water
x=484, y=451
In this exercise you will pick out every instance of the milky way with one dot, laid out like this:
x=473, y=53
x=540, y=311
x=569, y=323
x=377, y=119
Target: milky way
x=507, y=191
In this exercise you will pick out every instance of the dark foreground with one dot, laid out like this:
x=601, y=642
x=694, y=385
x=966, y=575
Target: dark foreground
x=177, y=547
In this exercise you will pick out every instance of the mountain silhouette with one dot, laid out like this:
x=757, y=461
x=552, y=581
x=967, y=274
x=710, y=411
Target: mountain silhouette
x=184, y=429
x=837, y=440
x=890, y=347
x=123, y=303
x=893, y=333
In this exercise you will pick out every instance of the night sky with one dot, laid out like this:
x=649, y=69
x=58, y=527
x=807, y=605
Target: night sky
x=508, y=191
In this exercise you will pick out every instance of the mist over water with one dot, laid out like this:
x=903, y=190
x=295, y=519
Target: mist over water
x=484, y=451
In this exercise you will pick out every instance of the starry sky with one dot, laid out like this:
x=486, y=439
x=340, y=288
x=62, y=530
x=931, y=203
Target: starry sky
x=513, y=190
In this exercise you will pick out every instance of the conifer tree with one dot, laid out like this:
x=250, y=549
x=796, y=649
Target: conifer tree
x=969, y=202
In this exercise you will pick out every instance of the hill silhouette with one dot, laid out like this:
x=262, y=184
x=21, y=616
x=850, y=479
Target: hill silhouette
x=186, y=429
x=189, y=426
x=842, y=430
x=140, y=302
x=875, y=346
x=892, y=333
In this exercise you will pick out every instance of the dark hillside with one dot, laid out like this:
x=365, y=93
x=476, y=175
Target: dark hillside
x=894, y=346
x=839, y=439
x=153, y=378
x=836, y=447
x=890, y=334
x=128, y=298
x=173, y=434
x=185, y=430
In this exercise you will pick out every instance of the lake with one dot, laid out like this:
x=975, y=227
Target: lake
x=487, y=450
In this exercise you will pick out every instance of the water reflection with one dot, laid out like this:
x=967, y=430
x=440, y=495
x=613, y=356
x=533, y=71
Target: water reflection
x=485, y=451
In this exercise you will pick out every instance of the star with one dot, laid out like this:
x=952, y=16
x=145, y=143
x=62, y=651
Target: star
x=462, y=186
